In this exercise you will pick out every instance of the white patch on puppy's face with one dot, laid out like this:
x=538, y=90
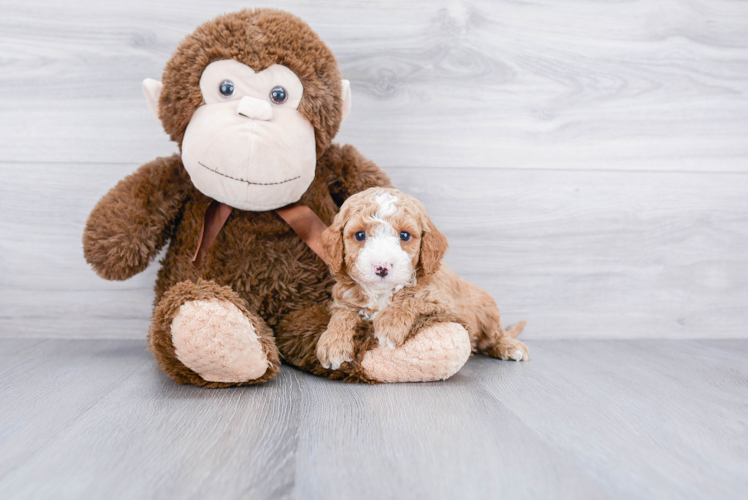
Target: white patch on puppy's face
x=382, y=265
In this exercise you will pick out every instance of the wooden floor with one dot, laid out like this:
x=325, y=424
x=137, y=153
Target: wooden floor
x=583, y=419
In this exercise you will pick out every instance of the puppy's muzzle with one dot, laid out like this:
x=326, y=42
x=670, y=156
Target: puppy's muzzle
x=382, y=270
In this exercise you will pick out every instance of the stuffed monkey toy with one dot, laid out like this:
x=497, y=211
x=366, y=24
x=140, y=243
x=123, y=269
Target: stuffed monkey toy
x=253, y=99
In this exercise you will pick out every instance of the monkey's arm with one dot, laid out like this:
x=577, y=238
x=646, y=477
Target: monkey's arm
x=134, y=219
x=349, y=172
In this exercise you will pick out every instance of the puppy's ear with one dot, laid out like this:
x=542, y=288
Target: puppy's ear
x=433, y=247
x=332, y=243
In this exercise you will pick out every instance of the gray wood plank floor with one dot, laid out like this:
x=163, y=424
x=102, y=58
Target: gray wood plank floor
x=583, y=419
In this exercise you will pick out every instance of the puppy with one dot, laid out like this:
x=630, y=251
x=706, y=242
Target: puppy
x=385, y=254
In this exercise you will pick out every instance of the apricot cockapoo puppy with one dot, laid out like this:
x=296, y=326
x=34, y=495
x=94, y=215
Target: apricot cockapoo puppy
x=385, y=254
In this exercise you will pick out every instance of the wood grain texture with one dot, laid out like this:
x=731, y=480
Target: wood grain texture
x=588, y=160
x=124, y=419
x=582, y=419
x=479, y=83
x=662, y=399
x=579, y=254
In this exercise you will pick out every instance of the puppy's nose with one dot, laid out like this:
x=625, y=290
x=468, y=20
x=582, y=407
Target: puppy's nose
x=381, y=271
x=255, y=108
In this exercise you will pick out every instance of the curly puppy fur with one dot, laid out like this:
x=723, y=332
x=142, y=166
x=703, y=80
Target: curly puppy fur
x=410, y=285
x=257, y=262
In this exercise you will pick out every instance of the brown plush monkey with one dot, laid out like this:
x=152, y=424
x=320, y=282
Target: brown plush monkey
x=253, y=99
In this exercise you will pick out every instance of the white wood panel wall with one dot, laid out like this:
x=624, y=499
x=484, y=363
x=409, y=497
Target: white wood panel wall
x=587, y=159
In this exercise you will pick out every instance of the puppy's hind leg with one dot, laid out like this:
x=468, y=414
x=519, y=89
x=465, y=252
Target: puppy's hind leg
x=507, y=348
x=493, y=340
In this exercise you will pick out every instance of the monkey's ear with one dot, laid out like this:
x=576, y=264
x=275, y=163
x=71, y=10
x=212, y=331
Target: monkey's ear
x=346, y=99
x=152, y=90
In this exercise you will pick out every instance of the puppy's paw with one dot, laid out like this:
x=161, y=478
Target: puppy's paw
x=386, y=342
x=333, y=352
x=510, y=349
x=390, y=337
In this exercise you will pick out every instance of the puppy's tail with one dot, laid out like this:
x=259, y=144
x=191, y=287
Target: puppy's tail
x=514, y=330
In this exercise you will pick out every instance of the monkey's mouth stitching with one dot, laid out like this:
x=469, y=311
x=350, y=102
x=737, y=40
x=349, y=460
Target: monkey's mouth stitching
x=249, y=182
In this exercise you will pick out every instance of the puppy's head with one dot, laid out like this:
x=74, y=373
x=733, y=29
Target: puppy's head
x=383, y=238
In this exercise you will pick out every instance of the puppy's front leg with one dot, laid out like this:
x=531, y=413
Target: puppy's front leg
x=335, y=345
x=392, y=325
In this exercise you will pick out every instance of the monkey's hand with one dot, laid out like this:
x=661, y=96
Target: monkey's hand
x=134, y=219
x=335, y=347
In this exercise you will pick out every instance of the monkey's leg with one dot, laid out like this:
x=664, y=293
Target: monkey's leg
x=435, y=352
x=204, y=334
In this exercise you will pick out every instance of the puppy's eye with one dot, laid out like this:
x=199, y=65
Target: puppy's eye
x=278, y=95
x=226, y=88
x=360, y=236
x=405, y=236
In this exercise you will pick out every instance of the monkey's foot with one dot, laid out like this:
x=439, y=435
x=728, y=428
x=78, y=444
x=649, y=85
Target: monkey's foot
x=204, y=334
x=217, y=341
x=436, y=353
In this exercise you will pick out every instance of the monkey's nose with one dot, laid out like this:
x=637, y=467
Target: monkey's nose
x=255, y=108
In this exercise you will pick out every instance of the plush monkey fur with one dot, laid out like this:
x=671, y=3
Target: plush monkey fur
x=257, y=263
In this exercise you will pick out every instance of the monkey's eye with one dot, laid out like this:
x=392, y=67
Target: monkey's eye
x=278, y=95
x=360, y=236
x=405, y=236
x=226, y=88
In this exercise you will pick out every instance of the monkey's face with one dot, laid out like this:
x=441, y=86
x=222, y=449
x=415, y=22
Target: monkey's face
x=248, y=146
x=253, y=98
